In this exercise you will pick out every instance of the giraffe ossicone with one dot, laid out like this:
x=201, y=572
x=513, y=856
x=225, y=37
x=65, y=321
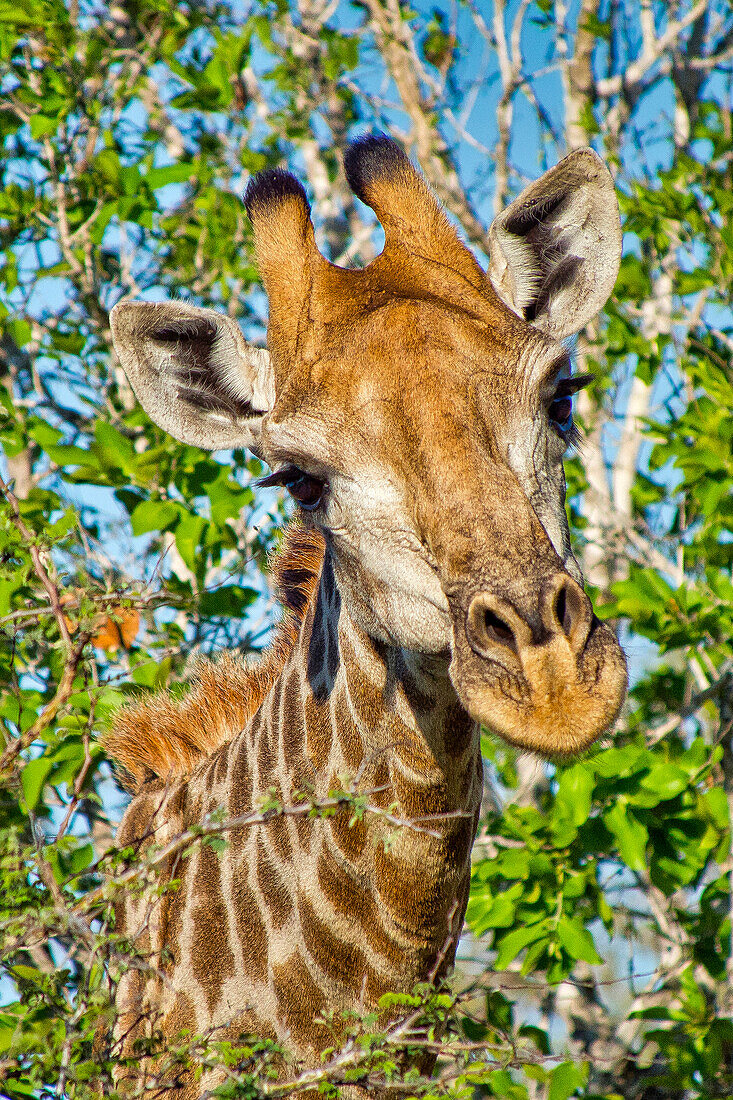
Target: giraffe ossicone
x=418, y=409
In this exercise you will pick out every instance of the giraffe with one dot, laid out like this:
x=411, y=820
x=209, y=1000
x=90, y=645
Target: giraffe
x=417, y=410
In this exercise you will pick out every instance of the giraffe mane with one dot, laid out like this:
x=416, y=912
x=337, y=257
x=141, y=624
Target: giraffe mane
x=167, y=737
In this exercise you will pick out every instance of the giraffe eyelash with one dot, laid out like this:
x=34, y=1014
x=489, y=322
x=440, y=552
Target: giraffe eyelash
x=305, y=489
x=560, y=408
x=568, y=387
x=278, y=478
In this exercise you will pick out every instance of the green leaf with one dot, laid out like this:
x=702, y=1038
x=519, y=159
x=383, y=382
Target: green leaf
x=33, y=778
x=577, y=940
x=537, y=1035
x=665, y=780
x=629, y=833
x=154, y=515
x=43, y=125
x=716, y=803
x=9, y=1026
x=189, y=534
x=516, y=941
x=575, y=792
x=27, y=973
x=81, y=858
x=171, y=173
x=231, y=600
x=566, y=1079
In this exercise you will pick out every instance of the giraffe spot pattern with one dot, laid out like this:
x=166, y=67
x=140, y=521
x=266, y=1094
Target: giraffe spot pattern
x=278, y=839
x=274, y=891
x=409, y=894
x=349, y=898
x=250, y=927
x=212, y=960
x=319, y=731
x=300, y=1002
x=350, y=837
x=343, y=962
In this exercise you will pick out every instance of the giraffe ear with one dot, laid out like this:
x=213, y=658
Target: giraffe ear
x=193, y=372
x=555, y=251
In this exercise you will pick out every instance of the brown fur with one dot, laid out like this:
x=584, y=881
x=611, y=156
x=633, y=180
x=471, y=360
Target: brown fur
x=167, y=737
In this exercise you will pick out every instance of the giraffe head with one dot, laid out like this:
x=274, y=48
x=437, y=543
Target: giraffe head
x=418, y=411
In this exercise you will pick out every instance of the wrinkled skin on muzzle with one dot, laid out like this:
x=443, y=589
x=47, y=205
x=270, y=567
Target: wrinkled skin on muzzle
x=552, y=688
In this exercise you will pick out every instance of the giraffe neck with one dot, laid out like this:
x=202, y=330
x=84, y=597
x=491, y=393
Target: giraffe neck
x=350, y=708
x=301, y=921
x=350, y=712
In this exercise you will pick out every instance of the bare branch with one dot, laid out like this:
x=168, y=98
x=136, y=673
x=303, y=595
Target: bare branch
x=637, y=72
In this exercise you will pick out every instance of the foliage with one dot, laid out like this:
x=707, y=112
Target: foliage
x=599, y=957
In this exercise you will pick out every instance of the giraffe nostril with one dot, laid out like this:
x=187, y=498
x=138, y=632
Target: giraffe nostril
x=492, y=627
x=496, y=629
x=561, y=612
x=568, y=611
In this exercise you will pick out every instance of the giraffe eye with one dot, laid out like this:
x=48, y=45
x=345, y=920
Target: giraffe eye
x=561, y=406
x=307, y=491
x=561, y=412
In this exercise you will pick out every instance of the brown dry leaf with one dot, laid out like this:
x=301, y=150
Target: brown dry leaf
x=70, y=596
x=119, y=631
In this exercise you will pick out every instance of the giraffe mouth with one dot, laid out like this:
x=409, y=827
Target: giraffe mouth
x=551, y=683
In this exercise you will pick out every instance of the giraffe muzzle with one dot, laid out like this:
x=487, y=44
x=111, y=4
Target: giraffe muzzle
x=548, y=677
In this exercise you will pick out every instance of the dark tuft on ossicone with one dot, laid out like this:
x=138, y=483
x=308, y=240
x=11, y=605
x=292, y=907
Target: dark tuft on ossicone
x=270, y=187
x=371, y=158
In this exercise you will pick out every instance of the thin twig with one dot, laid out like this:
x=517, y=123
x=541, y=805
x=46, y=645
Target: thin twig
x=38, y=566
x=74, y=649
